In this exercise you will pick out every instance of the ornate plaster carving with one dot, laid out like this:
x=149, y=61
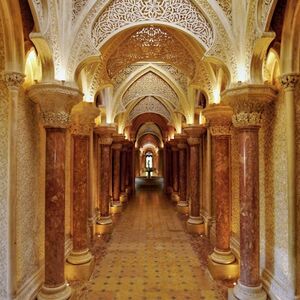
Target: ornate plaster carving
x=56, y=102
x=13, y=80
x=289, y=81
x=151, y=43
x=150, y=84
x=226, y=6
x=149, y=105
x=183, y=13
x=77, y=7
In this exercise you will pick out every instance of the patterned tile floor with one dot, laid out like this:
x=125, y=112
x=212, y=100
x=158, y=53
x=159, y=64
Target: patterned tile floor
x=150, y=256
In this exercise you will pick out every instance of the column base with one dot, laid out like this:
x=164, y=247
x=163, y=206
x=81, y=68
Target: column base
x=222, y=257
x=195, y=225
x=222, y=271
x=80, y=272
x=123, y=197
x=78, y=258
x=128, y=190
x=116, y=207
x=175, y=197
x=62, y=292
x=183, y=207
x=104, y=225
x=242, y=292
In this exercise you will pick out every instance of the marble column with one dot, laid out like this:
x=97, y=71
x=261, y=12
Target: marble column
x=123, y=195
x=219, y=120
x=83, y=116
x=175, y=179
x=105, y=132
x=248, y=102
x=289, y=83
x=182, y=205
x=116, y=148
x=195, y=221
x=55, y=102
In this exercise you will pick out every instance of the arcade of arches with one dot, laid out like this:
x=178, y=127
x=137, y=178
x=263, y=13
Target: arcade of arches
x=132, y=130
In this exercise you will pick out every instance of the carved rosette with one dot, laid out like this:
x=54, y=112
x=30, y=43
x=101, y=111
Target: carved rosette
x=248, y=103
x=13, y=80
x=289, y=81
x=55, y=101
x=219, y=118
x=83, y=117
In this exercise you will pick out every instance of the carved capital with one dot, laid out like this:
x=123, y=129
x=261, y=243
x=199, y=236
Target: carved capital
x=117, y=146
x=56, y=102
x=218, y=130
x=248, y=102
x=192, y=141
x=106, y=141
x=219, y=118
x=194, y=131
x=289, y=81
x=13, y=80
x=83, y=118
x=105, y=134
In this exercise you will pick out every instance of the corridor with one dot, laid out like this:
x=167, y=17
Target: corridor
x=149, y=256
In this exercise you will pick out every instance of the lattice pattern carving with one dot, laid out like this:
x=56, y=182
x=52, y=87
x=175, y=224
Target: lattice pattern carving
x=77, y=7
x=149, y=105
x=121, y=76
x=150, y=84
x=226, y=6
x=122, y=13
x=151, y=43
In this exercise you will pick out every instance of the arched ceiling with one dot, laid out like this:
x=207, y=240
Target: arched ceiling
x=149, y=132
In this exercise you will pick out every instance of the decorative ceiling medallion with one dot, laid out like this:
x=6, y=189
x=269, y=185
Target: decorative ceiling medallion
x=151, y=43
x=182, y=13
x=149, y=105
x=150, y=84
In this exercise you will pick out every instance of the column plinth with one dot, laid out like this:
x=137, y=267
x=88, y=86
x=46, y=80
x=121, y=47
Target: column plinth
x=56, y=102
x=248, y=102
x=104, y=222
x=219, y=120
x=195, y=221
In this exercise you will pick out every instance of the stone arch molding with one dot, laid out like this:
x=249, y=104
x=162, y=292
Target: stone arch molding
x=122, y=14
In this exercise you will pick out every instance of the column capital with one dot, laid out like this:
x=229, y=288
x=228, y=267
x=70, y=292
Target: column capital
x=13, y=80
x=83, y=118
x=248, y=102
x=289, y=80
x=117, y=146
x=119, y=138
x=55, y=101
x=219, y=117
x=194, y=132
x=105, y=133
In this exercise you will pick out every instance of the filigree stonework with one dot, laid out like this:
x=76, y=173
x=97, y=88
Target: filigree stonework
x=220, y=130
x=13, y=79
x=289, y=81
x=81, y=129
x=55, y=119
x=121, y=13
x=244, y=119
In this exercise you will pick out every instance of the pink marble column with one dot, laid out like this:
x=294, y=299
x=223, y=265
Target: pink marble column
x=182, y=205
x=219, y=119
x=105, y=140
x=248, y=102
x=175, y=168
x=116, y=204
x=55, y=102
x=195, y=221
x=123, y=196
x=83, y=116
x=169, y=168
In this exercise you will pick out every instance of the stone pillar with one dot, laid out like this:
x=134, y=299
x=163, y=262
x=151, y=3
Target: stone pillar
x=220, y=261
x=83, y=116
x=123, y=196
x=105, y=132
x=195, y=221
x=175, y=181
x=248, y=102
x=182, y=205
x=56, y=102
x=169, y=168
x=13, y=81
x=289, y=82
x=117, y=146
